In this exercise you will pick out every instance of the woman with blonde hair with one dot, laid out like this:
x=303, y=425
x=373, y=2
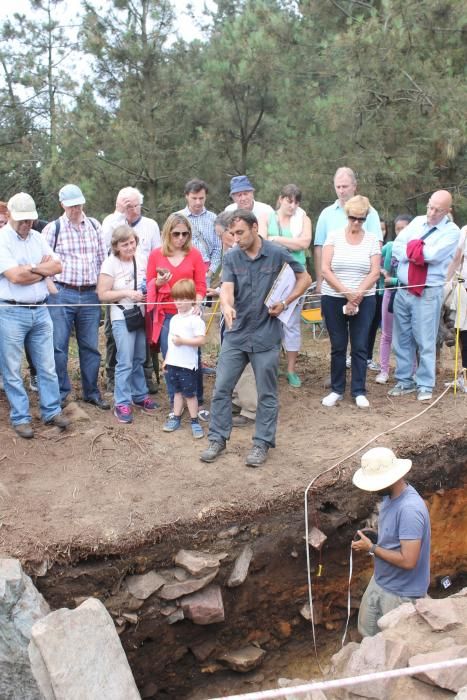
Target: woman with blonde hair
x=350, y=267
x=175, y=260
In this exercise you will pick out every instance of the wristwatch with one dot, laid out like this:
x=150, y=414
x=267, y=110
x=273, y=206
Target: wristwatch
x=286, y=306
x=371, y=551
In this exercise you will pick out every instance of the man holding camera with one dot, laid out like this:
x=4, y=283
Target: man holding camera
x=402, y=551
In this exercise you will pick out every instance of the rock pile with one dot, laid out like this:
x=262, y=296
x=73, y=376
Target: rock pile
x=411, y=635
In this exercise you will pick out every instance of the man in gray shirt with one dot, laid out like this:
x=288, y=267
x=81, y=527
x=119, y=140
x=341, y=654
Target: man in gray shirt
x=253, y=333
x=402, y=550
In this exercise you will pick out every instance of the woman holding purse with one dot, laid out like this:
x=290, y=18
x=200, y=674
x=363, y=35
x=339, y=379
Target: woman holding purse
x=120, y=283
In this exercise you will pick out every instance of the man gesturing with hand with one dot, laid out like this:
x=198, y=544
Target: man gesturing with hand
x=253, y=334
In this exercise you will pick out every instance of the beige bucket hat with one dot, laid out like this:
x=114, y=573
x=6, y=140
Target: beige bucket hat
x=379, y=469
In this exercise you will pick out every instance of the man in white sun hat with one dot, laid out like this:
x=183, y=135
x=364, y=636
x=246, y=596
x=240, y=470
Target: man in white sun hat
x=402, y=551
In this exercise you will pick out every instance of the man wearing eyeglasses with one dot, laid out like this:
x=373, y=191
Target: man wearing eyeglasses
x=334, y=218
x=424, y=250
x=128, y=211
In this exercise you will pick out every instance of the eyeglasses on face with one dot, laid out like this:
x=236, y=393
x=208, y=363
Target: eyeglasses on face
x=361, y=219
x=177, y=234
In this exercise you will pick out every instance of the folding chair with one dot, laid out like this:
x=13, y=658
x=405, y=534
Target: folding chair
x=313, y=318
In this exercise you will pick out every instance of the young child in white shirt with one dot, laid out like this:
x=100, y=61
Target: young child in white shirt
x=187, y=332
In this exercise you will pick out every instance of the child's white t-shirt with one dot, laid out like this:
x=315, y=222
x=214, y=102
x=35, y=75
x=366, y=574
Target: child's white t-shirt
x=188, y=325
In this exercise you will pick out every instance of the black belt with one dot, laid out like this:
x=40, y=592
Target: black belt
x=78, y=288
x=20, y=303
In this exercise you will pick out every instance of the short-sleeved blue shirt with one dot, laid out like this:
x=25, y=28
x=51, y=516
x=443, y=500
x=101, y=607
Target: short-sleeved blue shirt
x=254, y=330
x=404, y=518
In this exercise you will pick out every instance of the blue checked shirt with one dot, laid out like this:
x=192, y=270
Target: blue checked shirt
x=205, y=238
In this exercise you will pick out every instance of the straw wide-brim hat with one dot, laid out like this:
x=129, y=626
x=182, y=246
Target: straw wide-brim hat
x=379, y=469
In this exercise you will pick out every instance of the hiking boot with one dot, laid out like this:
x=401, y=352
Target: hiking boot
x=147, y=405
x=212, y=452
x=59, y=421
x=123, y=413
x=257, y=455
x=24, y=430
x=400, y=389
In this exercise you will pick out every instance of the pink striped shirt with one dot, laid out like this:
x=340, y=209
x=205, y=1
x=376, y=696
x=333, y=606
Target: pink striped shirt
x=81, y=250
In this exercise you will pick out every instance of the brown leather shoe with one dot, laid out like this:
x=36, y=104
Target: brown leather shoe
x=241, y=421
x=24, y=430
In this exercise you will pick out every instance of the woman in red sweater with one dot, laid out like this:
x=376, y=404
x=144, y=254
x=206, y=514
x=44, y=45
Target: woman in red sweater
x=176, y=259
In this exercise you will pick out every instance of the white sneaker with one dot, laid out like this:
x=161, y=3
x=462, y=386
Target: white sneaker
x=382, y=377
x=331, y=399
x=362, y=401
x=348, y=361
x=374, y=366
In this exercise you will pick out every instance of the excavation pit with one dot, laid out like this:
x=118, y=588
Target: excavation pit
x=86, y=509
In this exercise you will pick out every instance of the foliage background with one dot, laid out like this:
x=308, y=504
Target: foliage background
x=283, y=91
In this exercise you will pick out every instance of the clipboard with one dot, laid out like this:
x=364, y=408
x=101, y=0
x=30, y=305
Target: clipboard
x=282, y=287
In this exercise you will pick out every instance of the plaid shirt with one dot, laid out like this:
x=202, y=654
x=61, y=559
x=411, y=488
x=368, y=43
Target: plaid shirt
x=81, y=250
x=205, y=237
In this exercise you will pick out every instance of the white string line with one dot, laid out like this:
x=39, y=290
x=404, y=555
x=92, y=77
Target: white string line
x=305, y=297
x=326, y=471
x=345, y=682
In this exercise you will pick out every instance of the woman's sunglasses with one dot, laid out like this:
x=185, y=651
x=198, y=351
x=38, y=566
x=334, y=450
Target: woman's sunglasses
x=357, y=218
x=177, y=234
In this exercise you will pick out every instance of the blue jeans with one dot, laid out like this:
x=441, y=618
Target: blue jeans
x=130, y=382
x=230, y=365
x=340, y=326
x=85, y=320
x=416, y=321
x=164, y=341
x=30, y=328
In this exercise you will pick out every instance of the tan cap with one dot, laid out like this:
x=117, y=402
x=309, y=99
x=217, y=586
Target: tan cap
x=22, y=207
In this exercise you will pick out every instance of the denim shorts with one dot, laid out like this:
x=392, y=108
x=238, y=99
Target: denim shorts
x=183, y=380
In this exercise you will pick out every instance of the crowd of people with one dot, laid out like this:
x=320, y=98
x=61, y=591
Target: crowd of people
x=155, y=286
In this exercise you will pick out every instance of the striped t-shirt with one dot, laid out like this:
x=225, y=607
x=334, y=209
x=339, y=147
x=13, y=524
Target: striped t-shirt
x=350, y=263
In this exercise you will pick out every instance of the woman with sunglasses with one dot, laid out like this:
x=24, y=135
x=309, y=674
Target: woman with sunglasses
x=350, y=266
x=175, y=260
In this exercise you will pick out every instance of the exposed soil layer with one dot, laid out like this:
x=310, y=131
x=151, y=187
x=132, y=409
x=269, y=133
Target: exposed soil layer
x=85, y=508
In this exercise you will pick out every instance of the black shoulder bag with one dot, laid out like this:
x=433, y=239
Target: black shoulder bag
x=134, y=319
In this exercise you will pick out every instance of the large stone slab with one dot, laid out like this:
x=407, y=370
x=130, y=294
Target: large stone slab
x=198, y=563
x=204, y=607
x=171, y=591
x=441, y=615
x=241, y=566
x=21, y=605
x=449, y=678
x=376, y=654
x=77, y=655
x=244, y=659
x=145, y=585
x=394, y=617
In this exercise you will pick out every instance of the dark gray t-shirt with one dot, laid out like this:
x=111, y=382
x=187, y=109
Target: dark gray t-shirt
x=404, y=518
x=254, y=330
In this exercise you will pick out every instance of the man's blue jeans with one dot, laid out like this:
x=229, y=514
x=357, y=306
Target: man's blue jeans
x=130, y=382
x=30, y=328
x=164, y=341
x=340, y=326
x=416, y=321
x=85, y=320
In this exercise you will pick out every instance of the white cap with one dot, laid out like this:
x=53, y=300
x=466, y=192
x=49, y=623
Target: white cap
x=22, y=207
x=71, y=195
